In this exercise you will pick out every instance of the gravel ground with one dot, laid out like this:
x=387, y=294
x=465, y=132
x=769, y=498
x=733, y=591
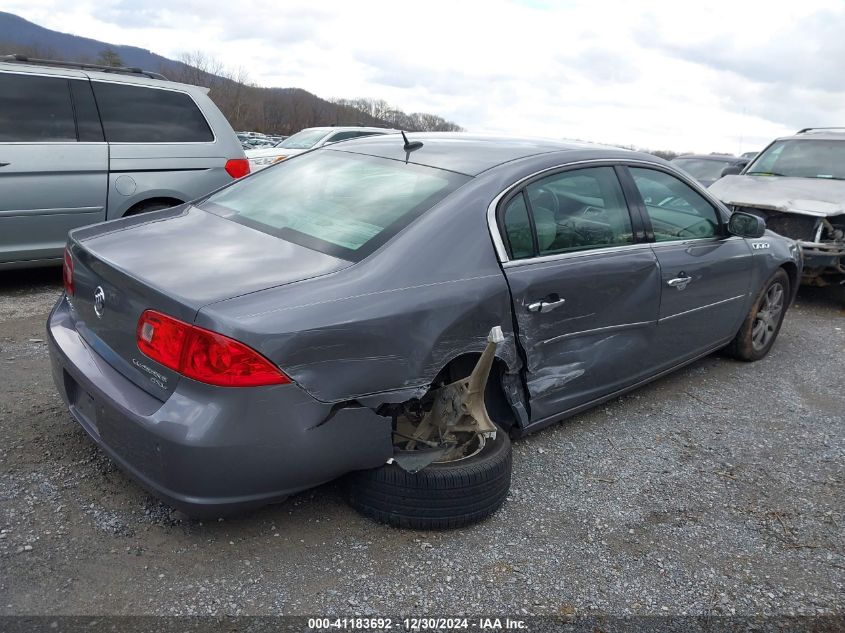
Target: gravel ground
x=717, y=490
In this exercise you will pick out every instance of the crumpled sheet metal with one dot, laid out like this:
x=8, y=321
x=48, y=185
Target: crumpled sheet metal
x=816, y=197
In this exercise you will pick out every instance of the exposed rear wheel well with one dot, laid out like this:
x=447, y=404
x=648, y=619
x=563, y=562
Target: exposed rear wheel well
x=495, y=400
x=152, y=204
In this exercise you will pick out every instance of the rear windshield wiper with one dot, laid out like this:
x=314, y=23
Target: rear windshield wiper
x=763, y=173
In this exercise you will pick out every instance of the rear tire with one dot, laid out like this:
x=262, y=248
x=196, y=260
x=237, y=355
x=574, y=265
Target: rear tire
x=761, y=326
x=440, y=496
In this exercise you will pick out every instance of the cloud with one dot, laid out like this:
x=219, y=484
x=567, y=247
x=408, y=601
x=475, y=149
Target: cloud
x=806, y=53
x=658, y=74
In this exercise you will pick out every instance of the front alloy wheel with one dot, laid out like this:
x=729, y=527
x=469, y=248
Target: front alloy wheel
x=762, y=323
x=768, y=318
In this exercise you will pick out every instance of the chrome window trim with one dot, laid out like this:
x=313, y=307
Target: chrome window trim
x=625, y=248
x=695, y=241
x=493, y=225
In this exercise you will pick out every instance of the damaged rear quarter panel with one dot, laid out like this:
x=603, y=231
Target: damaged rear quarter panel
x=391, y=322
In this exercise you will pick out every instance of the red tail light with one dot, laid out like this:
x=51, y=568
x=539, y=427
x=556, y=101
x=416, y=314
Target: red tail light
x=67, y=272
x=204, y=355
x=237, y=167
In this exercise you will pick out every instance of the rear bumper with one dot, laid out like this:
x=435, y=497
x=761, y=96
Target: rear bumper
x=208, y=450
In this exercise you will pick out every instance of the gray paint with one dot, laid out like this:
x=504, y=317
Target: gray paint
x=356, y=336
x=206, y=454
x=50, y=188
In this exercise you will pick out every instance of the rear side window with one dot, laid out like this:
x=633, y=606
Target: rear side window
x=35, y=109
x=137, y=114
x=518, y=228
x=341, y=204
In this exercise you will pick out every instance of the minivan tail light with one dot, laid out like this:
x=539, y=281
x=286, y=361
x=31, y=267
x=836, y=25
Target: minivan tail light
x=67, y=272
x=204, y=355
x=237, y=167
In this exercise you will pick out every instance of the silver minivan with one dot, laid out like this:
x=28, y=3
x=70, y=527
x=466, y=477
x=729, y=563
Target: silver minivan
x=82, y=144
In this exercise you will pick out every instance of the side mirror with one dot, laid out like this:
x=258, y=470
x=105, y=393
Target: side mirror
x=732, y=170
x=746, y=225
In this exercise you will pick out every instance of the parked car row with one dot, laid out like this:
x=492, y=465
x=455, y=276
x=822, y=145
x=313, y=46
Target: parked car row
x=307, y=139
x=257, y=140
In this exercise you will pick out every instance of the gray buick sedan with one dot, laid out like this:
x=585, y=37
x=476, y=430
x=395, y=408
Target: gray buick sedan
x=395, y=310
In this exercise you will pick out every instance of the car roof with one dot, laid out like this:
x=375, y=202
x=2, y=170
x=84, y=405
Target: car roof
x=720, y=157
x=818, y=134
x=350, y=128
x=472, y=154
x=96, y=75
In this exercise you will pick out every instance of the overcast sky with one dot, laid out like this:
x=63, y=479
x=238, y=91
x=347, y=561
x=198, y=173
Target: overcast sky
x=701, y=76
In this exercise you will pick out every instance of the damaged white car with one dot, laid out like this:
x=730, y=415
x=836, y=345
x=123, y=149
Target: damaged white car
x=797, y=185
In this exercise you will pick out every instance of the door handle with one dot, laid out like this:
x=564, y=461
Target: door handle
x=4, y=164
x=545, y=306
x=680, y=282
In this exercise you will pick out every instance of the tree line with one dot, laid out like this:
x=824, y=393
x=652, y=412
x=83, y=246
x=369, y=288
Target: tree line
x=250, y=107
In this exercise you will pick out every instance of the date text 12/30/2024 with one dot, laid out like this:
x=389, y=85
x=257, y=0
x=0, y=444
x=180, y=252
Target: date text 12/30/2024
x=414, y=624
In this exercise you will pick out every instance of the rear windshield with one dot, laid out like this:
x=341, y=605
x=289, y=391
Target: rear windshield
x=338, y=203
x=306, y=139
x=802, y=158
x=702, y=167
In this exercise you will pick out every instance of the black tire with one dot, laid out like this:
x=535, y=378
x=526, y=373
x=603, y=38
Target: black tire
x=746, y=345
x=440, y=496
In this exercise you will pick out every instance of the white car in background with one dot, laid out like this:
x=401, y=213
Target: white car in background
x=306, y=139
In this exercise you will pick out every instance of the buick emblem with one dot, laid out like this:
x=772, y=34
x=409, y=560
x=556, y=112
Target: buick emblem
x=99, y=301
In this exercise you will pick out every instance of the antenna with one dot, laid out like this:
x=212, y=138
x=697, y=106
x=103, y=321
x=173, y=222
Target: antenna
x=410, y=146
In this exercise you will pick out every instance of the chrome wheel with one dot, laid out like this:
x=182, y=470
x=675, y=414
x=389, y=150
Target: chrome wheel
x=767, y=319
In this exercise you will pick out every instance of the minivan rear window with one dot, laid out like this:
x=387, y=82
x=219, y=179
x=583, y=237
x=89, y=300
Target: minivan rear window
x=138, y=114
x=35, y=109
x=338, y=203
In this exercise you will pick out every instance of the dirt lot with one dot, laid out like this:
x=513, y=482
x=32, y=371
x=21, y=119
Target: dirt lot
x=718, y=490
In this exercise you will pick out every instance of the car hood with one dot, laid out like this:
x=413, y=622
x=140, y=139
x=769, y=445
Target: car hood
x=816, y=197
x=267, y=151
x=272, y=151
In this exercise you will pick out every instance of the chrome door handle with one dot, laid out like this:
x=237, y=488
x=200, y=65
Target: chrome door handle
x=679, y=282
x=545, y=306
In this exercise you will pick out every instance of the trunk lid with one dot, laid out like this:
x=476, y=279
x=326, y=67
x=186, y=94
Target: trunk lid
x=176, y=262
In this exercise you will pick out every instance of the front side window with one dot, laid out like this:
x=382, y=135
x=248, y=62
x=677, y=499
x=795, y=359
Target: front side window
x=341, y=204
x=702, y=168
x=137, y=114
x=35, y=109
x=802, y=158
x=676, y=210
